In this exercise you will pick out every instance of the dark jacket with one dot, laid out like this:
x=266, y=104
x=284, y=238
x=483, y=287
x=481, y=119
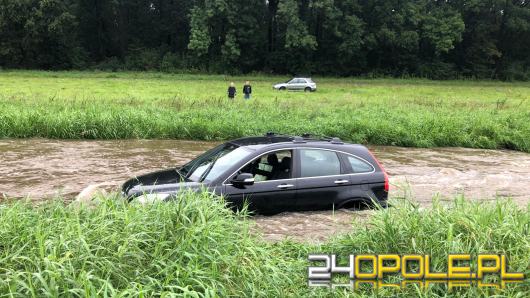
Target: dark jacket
x=231, y=92
x=247, y=89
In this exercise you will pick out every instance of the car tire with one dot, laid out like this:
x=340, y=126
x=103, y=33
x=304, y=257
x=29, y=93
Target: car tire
x=307, y=89
x=356, y=205
x=282, y=88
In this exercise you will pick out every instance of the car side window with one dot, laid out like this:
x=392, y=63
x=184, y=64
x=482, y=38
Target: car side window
x=359, y=166
x=271, y=166
x=315, y=162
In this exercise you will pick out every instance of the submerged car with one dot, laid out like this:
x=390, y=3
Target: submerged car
x=274, y=173
x=301, y=84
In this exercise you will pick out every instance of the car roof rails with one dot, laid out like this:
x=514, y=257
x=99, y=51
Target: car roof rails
x=274, y=134
x=310, y=136
x=333, y=140
x=295, y=139
x=305, y=137
x=336, y=141
x=298, y=139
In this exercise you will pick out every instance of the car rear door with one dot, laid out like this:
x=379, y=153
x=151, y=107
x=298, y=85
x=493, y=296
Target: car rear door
x=322, y=179
x=294, y=84
x=362, y=177
x=274, y=189
x=302, y=83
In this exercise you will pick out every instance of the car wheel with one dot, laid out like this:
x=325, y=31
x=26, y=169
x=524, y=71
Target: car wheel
x=282, y=88
x=357, y=205
x=307, y=89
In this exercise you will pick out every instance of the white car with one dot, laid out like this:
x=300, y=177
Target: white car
x=301, y=84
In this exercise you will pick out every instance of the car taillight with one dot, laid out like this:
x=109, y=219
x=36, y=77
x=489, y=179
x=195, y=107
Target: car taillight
x=387, y=184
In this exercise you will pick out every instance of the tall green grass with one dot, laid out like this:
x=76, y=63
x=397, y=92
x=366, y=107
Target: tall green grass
x=195, y=247
x=386, y=112
x=463, y=226
x=192, y=247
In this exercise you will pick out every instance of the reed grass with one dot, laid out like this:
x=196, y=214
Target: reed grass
x=460, y=226
x=194, y=247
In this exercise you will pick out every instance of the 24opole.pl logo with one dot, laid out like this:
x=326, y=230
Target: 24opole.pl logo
x=463, y=270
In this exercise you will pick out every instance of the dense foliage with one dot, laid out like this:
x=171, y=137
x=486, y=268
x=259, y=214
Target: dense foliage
x=428, y=38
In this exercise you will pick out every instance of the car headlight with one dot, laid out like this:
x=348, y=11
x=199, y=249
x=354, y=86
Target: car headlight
x=151, y=198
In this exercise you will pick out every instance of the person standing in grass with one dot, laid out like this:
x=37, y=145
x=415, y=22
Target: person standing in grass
x=232, y=91
x=247, y=90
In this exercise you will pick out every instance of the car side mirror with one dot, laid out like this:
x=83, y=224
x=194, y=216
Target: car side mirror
x=243, y=179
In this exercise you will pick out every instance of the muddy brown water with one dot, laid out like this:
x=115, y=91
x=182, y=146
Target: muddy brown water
x=42, y=168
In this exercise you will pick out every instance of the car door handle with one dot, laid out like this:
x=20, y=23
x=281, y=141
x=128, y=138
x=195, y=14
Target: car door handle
x=285, y=186
x=342, y=181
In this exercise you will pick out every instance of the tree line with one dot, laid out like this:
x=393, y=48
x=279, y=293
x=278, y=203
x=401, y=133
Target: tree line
x=439, y=39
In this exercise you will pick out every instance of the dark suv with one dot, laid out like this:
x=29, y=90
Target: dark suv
x=274, y=173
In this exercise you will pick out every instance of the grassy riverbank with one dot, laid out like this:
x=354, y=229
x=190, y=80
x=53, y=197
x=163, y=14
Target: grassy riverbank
x=196, y=247
x=418, y=113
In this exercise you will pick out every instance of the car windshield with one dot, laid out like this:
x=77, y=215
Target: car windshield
x=213, y=163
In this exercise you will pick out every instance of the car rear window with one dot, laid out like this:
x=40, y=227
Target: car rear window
x=359, y=166
x=314, y=162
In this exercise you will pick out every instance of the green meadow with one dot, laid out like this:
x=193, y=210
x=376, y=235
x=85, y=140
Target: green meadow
x=403, y=112
x=195, y=247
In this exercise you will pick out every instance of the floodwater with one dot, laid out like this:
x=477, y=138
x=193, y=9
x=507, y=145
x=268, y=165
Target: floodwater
x=42, y=168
